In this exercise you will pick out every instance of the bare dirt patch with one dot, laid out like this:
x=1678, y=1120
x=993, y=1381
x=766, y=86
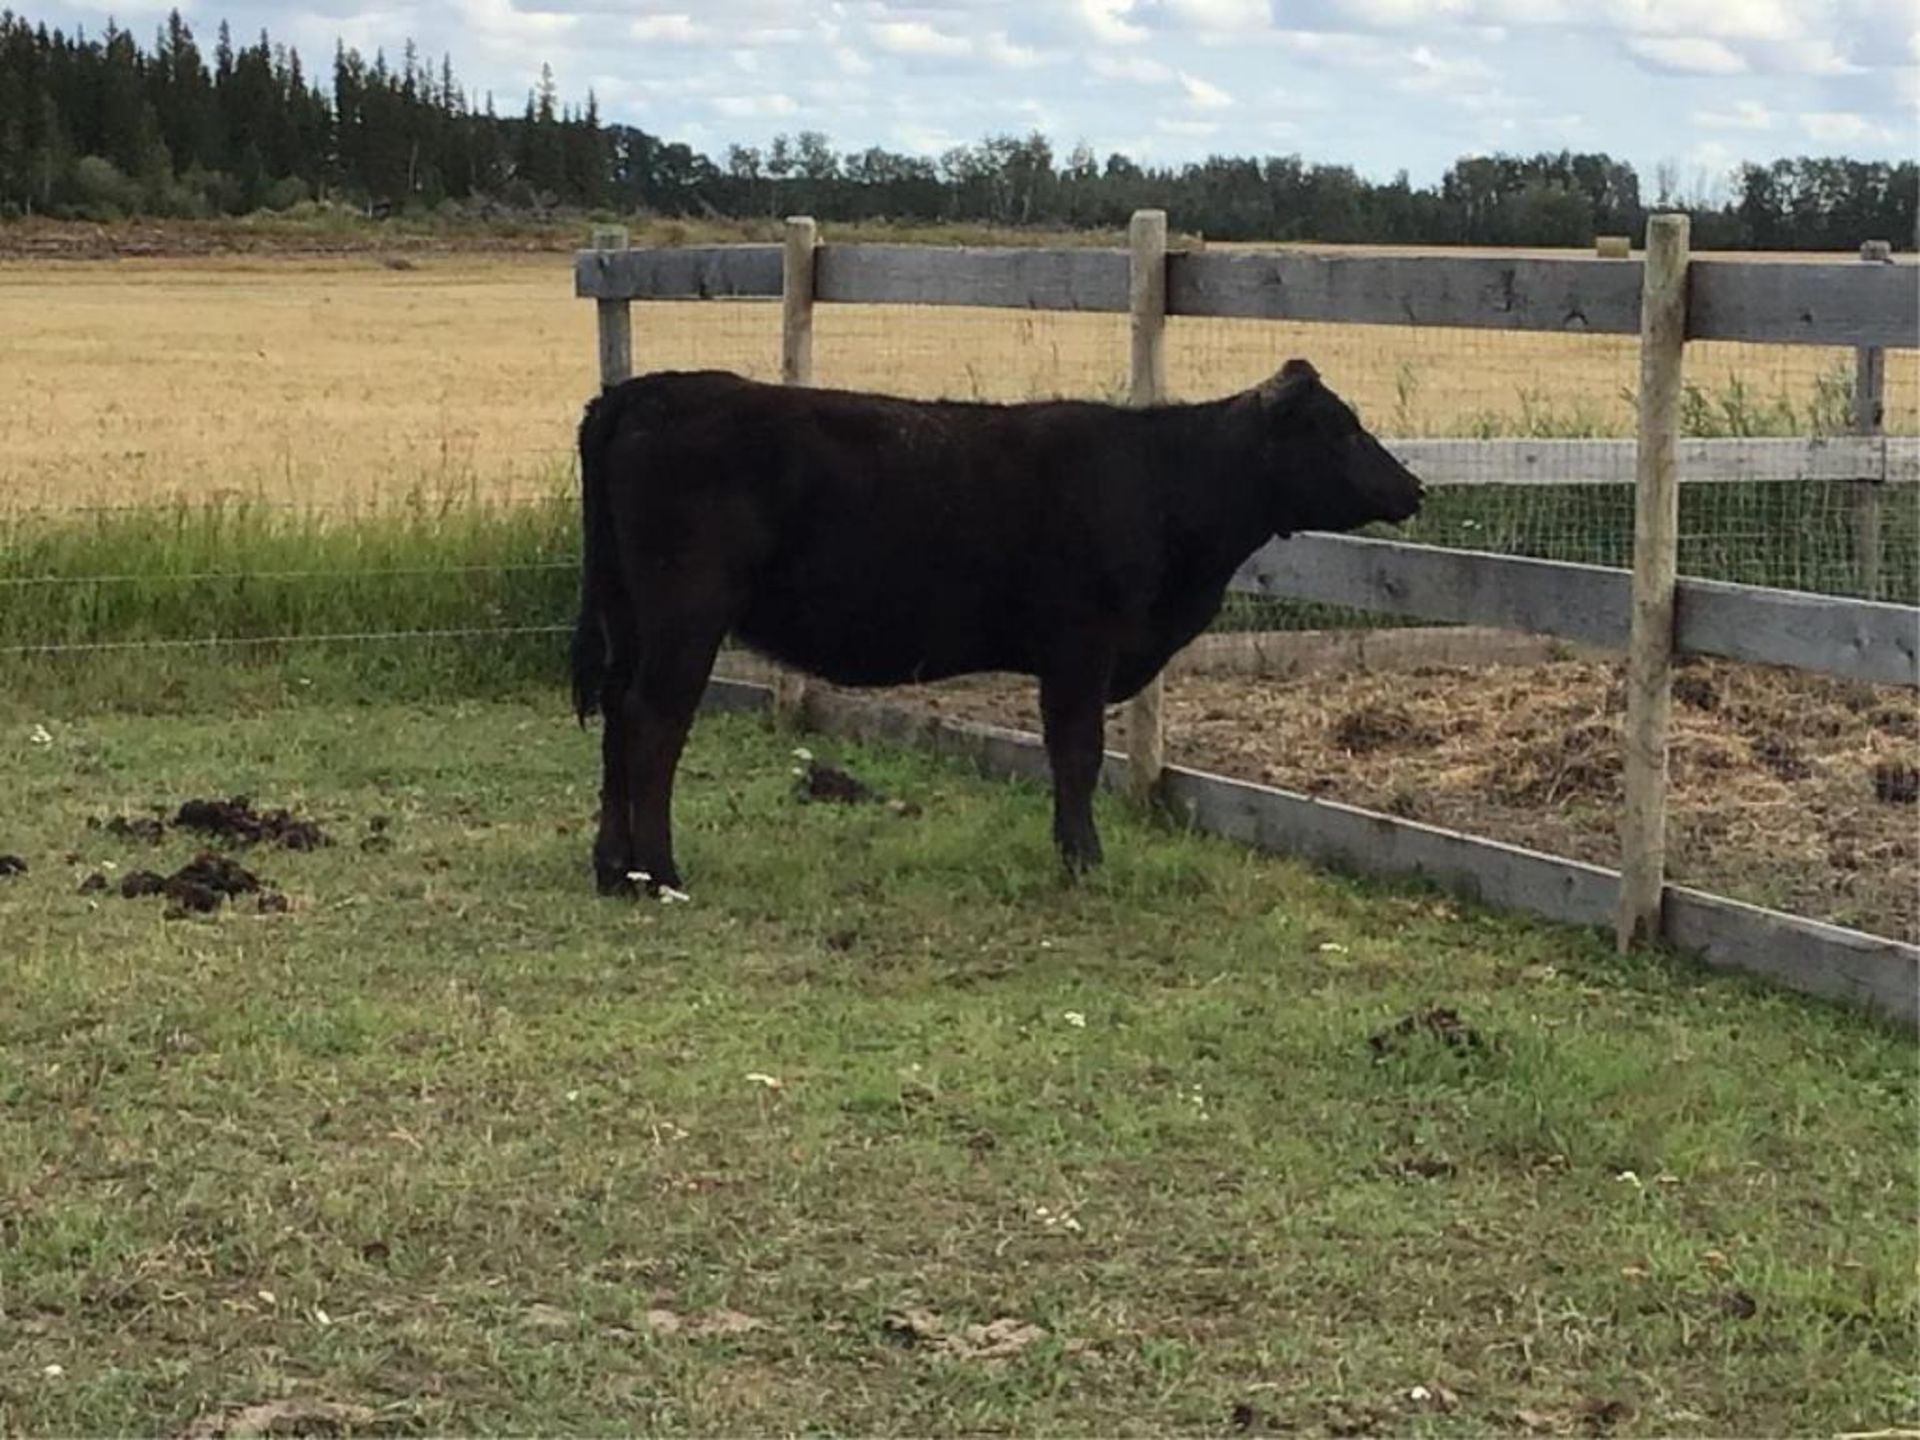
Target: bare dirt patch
x=1788, y=790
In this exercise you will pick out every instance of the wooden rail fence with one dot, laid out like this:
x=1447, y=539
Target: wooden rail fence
x=1648, y=611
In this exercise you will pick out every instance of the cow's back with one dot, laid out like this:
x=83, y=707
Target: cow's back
x=875, y=540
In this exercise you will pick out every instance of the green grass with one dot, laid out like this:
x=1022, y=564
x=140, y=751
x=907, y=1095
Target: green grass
x=438, y=1140
x=169, y=607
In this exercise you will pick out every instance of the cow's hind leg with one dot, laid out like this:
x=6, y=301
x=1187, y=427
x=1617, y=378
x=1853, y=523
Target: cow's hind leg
x=1073, y=716
x=676, y=657
x=613, y=858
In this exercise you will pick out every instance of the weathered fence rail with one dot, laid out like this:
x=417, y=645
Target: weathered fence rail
x=1784, y=302
x=1853, y=639
x=1866, y=307
x=1875, y=459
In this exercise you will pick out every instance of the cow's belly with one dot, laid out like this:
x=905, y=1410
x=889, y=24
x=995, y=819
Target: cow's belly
x=858, y=635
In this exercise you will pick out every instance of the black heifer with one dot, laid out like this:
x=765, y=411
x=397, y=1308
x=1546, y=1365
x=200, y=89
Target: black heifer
x=875, y=541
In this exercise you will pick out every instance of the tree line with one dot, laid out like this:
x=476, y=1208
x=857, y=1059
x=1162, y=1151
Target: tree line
x=103, y=126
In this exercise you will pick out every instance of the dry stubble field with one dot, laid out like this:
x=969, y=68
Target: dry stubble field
x=341, y=380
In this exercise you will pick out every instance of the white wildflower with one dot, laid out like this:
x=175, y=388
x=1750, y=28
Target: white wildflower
x=1075, y=1019
x=40, y=736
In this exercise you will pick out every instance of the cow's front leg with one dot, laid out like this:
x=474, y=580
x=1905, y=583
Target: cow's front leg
x=1073, y=716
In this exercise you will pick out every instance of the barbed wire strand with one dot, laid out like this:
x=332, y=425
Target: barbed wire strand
x=324, y=638
x=187, y=577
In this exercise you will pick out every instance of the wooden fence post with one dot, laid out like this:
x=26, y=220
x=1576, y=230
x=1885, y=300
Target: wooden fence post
x=616, y=317
x=796, y=368
x=1869, y=412
x=1147, y=300
x=1656, y=536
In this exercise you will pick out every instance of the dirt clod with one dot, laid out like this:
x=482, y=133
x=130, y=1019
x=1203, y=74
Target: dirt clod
x=999, y=1339
x=280, y=1417
x=1739, y=1305
x=147, y=829
x=698, y=1327
x=1782, y=757
x=827, y=782
x=1378, y=726
x=1582, y=762
x=1696, y=691
x=197, y=886
x=1440, y=1022
x=12, y=865
x=236, y=820
x=1896, y=782
x=1423, y=1167
x=1600, y=1414
x=94, y=884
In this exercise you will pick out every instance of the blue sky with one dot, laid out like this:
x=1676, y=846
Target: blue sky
x=1383, y=85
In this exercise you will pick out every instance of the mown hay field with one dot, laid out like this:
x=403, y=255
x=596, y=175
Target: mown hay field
x=345, y=381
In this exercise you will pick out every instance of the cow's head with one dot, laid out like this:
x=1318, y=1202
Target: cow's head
x=1333, y=475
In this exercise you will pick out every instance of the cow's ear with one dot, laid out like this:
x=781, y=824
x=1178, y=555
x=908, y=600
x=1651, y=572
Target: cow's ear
x=1295, y=379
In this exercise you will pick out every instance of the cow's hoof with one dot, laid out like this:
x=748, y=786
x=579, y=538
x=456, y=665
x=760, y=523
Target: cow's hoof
x=1077, y=864
x=615, y=880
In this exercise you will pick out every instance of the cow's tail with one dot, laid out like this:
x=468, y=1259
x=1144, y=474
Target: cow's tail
x=595, y=634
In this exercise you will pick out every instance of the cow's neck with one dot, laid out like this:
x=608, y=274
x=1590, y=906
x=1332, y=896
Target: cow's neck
x=1219, y=504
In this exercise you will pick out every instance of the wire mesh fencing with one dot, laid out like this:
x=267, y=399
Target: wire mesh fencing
x=211, y=505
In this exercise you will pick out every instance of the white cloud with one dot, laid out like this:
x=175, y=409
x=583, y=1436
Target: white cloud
x=1814, y=55
x=917, y=37
x=1220, y=17
x=1712, y=155
x=1203, y=95
x=1745, y=115
x=1841, y=127
x=1687, y=55
x=1433, y=72
x=1106, y=20
x=1189, y=129
x=924, y=140
x=851, y=61
x=1402, y=14
x=754, y=107
x=497, y=20
x=1338, y=47
x=672, y=28
x=1136, y=68
x=1000, y=50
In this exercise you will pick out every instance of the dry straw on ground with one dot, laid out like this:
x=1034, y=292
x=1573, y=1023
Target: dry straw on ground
x=1785, y=788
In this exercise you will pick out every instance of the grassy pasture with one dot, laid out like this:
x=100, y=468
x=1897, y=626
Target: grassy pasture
x=886, y=1131
x=339, y=381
